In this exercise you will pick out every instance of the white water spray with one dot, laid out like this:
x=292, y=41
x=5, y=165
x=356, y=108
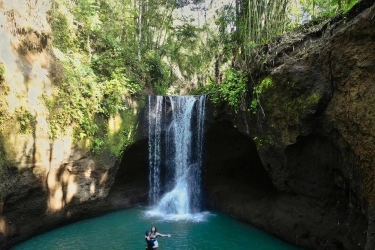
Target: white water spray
x=176, y=127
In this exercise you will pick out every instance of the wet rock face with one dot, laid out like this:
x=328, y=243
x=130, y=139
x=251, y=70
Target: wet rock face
x=131, y=183
x=312, y=162
x=232, y=163
x=327, y=93
x=27, y=198
x=314, y=210
x=314, y=169
x=232, y=167
x=315, y=141
x=33, y=201
x=351, y=110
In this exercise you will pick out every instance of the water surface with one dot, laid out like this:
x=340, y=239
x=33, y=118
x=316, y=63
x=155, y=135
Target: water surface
x=125, y=230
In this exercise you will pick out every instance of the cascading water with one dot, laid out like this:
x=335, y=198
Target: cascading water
x=176, y=125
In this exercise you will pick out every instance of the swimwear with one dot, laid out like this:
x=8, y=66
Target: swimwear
x=156, y=244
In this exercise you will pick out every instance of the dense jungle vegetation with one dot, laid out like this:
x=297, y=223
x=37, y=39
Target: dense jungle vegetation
x=111, y=49
x=108, y=51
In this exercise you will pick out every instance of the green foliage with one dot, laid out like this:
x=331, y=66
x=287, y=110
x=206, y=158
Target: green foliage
x=257, y=92
x=63, y=37
x=120, y=140
x=226, y=21
x=94, y=71
x=135, y=39
x=78, y=97
x=232, y=90
x=111, y=50
x=187, y=50
x=316, y=9
x=262, y=141
x=258, y=23
x=26, y=120
x=7, y=163
x=157, y=72
x=97, y=145
x=81, y=98
x=4, y=90
x=2, y=72
x=114, y=92
x=294, y=108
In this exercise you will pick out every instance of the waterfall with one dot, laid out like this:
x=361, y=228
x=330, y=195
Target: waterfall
x=176, y=128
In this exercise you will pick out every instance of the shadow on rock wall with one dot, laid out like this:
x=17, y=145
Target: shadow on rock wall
x=233, y=169
x=315, y=209
x=131, y=182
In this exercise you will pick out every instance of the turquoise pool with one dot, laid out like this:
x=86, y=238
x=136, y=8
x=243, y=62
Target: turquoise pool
x=125, y=230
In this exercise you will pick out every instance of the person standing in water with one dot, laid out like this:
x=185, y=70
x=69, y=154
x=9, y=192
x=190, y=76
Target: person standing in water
x=149, y=242
x=153, y=235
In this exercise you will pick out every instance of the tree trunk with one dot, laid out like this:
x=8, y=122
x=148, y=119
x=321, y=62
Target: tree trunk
x=140, y=30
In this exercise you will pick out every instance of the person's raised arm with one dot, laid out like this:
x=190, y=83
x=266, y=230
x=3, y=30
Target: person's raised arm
x=164, y=235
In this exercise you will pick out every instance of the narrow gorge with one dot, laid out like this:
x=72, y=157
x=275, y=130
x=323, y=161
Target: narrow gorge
x=301, y=168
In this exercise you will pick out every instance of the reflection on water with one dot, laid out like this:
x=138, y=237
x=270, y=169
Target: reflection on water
x=125, y=230
x=197, y=217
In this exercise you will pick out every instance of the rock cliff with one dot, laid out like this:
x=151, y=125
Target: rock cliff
x=45, y=181
x=314, y=133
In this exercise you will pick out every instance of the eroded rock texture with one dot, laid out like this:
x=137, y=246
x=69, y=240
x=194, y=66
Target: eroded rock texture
x=315, y=139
